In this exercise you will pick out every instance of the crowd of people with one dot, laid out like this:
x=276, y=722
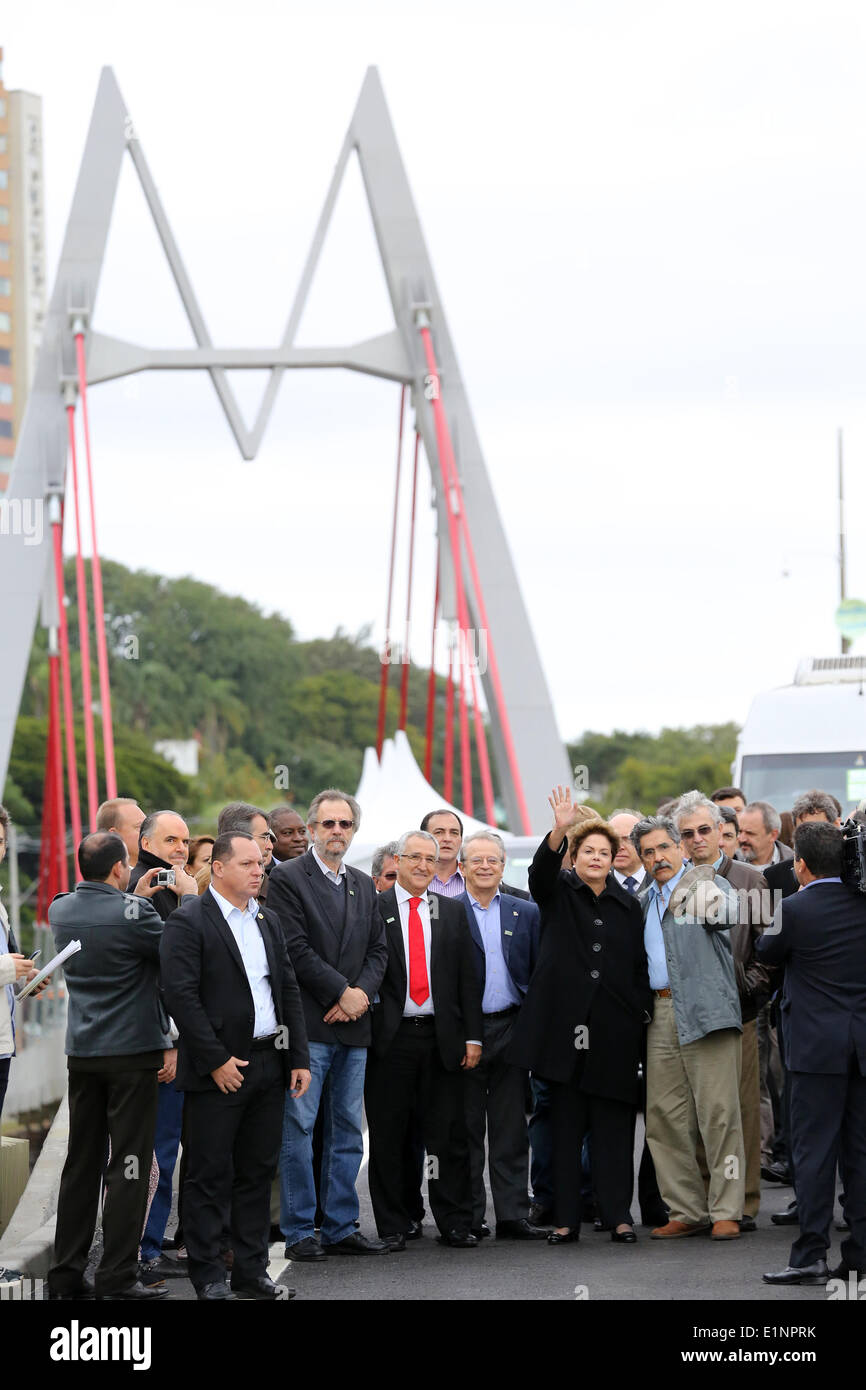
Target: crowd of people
x=242, y=999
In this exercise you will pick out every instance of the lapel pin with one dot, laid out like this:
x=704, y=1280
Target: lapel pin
x=388, y=919
x=351, y=892
x=508, y=933
x=514, y=912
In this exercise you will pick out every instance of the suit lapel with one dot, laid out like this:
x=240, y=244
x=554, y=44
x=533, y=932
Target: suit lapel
x=350, y=915
x=224, y=931
x=390, y=911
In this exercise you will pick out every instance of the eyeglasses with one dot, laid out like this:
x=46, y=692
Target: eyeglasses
x=484, y=859
x=329, y=824
x=391, y=876
x=701, y=830
x=427, y=860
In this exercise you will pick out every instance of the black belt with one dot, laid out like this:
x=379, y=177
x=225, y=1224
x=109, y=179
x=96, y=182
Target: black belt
x=418, y=1021
x=503, y=1013
x=262, y=1044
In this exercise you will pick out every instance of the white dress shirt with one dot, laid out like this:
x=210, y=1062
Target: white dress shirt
x=410, y=1008
x=245, y=930
x=639, y=875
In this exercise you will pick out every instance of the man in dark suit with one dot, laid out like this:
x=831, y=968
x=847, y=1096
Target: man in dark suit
x=336, y=941
x=505, y=932
x=230, y=986
x=782, y=881
x=819, y=935
x=427, y=1030
x=116, y=1041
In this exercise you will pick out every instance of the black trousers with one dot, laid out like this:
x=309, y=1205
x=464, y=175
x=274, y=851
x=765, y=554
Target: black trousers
x=574, y=1114
x=411, y=1079
x=233, y=1147
x=828, y=1125
x=117, y=1103
x=495, y=1097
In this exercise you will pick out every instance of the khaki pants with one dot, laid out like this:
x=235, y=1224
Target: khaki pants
x=693, y=1092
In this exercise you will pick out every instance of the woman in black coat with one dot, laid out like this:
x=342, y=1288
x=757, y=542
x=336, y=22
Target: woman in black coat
x=582, y=1022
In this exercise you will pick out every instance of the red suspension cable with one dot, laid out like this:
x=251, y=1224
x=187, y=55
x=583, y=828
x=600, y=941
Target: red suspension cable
x=59, y=867
x=448, y=778
x=386, y=655
x=83, y=638
x=454, y=494
x=431, y=688
x=481, y=749
x=404, y=670
x=68, y=719
x=98, y=603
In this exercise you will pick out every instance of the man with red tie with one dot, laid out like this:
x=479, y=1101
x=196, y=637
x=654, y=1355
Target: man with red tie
x=427, y=1029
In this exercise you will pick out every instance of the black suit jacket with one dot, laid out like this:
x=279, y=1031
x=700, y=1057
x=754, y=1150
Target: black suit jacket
x=335, y=939
x=820, y=936
x=208, y=994
x=592, y=972
x=782, y=879
x=453, y=979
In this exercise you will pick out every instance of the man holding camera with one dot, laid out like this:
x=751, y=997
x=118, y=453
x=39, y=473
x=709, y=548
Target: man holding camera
x=819, y=935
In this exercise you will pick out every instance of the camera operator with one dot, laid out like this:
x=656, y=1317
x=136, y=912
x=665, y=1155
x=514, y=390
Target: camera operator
x=819, y=935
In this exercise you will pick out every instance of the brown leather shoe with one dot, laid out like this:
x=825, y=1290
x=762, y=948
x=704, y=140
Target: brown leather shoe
x=725, y=1230
x=678, y=1228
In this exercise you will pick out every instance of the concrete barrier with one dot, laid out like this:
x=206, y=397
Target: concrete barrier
x=28, y=1242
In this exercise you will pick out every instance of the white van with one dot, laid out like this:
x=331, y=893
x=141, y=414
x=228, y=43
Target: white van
x=805, y=735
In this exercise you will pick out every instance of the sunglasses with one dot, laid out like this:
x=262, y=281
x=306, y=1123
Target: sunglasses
x=329, y=824
x=701, y=830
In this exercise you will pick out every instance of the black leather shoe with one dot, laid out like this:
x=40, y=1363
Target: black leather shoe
x=843, y=1269
x=460, y=1240
x=481, y=1232
x=262, y=1288
x=133, y=1293
x=560, y=1238
x=275, y=1235
x=211, y=1293
x=519, y=1230
x=415, y=1231
x=356, y=1244
x=306, y=1249
x=776, y=1172
x=623, y=1237
x=747, y=1223
x=818, y=1273
x=163, y=1267
x=395, y=1243
x=789, y=1217
x=539, y=1215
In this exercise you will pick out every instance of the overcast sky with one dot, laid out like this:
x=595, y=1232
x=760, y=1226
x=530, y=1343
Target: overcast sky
x=647, y=222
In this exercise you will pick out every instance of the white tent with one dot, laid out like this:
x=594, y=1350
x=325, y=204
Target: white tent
x=394, y=796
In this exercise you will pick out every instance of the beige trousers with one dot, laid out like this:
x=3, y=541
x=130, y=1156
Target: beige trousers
x=692, y=1093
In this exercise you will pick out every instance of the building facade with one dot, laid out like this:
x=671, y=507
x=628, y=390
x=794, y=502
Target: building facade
x=22, y=259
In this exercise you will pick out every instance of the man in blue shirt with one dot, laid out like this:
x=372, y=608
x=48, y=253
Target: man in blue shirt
x=505, y=932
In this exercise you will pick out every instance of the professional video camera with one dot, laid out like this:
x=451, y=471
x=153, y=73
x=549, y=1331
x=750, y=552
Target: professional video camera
x=854, y=849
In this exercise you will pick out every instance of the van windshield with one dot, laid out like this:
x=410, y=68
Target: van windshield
x=781, y=777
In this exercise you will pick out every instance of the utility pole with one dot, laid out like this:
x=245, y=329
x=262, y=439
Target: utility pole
x=846, y=642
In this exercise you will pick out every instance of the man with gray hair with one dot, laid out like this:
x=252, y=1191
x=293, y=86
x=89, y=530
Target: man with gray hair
x=336, y=942
x=427, y=1028
x=505, y=931
x=760, y=845
x=693, y=1041
x=699, y=821
x=383, y=870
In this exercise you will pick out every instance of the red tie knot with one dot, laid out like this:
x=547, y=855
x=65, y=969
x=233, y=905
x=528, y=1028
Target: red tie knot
x=415, y=902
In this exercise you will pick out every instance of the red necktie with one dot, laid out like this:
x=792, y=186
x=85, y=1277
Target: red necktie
x=419, y=986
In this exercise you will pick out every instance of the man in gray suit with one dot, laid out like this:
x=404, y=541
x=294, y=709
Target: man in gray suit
x=116, y=1039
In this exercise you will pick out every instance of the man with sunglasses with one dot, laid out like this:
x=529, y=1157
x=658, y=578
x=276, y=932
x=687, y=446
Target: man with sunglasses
x=336, y=941
x=699, y=821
